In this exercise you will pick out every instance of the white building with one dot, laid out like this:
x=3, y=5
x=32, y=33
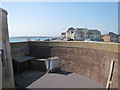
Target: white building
x=113, y=37
x=82, y=34
x=95, y=34
x=70, y=33
x=63, y=35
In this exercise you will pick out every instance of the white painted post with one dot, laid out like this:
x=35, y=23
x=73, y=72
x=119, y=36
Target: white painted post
x=110, y=75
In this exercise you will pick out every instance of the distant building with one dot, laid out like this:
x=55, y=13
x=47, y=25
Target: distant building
x=95, y=34
x=113, y=37
x=119, y=38
x=81, y=34
x=110, y=37
x=105, y=38
x=63, y=35
x=70, y=33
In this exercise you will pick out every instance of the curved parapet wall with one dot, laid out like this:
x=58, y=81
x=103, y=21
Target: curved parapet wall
x=107, y=46
x=18, y=49
x=91, y=59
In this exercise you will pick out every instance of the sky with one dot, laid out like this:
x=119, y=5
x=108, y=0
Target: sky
x=53, y=18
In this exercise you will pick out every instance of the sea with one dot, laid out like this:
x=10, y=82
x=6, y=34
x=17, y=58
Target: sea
x=23, y=39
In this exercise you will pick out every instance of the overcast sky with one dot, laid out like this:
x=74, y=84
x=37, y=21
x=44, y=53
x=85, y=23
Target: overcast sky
x=52, y=18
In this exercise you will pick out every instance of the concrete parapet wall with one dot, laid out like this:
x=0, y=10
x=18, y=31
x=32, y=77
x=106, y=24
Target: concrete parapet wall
x=91, y=59
x=107, y=46
x=19, y=49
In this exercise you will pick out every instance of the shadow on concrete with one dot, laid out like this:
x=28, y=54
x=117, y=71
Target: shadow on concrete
x=61, y=72
x=25, y=79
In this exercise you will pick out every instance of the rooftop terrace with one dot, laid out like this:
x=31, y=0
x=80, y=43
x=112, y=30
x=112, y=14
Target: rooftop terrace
x=89, y=63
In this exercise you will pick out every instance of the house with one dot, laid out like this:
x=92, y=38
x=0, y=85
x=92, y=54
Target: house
x=105, y=38
x=95, y=34
x=119, y=38
x=70, y=33
x=113, y=37
x=81, y=34
x=110, y=37
x=63, y=35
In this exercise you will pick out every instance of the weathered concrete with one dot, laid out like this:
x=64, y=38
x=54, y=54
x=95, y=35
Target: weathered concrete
x=26, y=78
x=90, y=59
x=71, y=80
x=7, y=69
x=106, y=46
x=0, y=49
x=19, y=49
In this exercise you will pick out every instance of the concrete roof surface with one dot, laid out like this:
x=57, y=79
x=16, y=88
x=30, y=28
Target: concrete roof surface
x=62, y=80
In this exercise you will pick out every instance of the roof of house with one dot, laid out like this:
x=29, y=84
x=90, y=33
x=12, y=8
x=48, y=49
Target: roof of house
x=118, y=34
x=111, y=33
x=71, y=29
x=63, y=33
x=104, y=35
x=81, y=28
x=94, y=30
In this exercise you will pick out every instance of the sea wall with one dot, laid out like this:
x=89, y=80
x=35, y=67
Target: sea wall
x=91, y=59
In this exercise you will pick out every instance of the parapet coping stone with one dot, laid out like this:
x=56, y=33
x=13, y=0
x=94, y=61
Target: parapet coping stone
x=106, y=46
x=24, y=59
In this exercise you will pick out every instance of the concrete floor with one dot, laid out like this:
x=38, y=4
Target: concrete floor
x=59, y=79
x=26, y=78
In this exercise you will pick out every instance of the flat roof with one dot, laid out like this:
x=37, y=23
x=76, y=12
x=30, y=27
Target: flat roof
x=64, y=80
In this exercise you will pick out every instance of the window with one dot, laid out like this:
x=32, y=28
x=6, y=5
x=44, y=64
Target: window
x=91, y=36
x=112, y=36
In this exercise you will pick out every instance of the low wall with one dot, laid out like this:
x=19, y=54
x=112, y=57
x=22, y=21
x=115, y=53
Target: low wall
x=91, y=59
x=19, y=49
